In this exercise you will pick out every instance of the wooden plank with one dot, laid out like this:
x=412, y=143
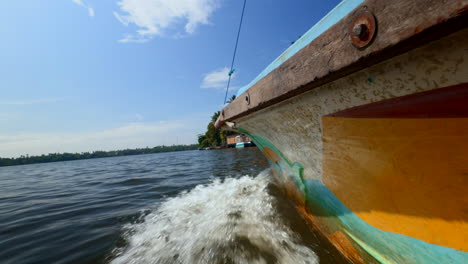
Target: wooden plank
x=402, y=25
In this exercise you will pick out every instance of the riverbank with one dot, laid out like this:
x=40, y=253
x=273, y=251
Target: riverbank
x=55, y=157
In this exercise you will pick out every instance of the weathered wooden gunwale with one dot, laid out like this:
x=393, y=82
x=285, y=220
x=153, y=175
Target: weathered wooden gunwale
x=401, y=26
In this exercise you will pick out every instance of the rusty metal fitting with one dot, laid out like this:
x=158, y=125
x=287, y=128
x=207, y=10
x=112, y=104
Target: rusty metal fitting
x=363, y=29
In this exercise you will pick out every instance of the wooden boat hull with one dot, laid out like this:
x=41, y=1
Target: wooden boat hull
x=376, y=160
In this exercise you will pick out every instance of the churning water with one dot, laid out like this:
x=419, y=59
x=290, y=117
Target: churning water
x=222, y=222
x=182, y=207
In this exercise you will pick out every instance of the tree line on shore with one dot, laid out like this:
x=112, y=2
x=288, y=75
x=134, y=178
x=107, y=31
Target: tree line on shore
x=53, y=157
x=214, y=137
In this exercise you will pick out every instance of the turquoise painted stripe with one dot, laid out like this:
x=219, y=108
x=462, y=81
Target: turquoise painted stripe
x=337, y=13
x=387, y=247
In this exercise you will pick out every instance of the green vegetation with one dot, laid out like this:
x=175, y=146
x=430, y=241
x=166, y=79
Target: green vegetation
x=213, y=137
x=53, y=157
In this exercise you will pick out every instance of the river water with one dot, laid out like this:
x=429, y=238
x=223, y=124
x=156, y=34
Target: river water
x=216, y=206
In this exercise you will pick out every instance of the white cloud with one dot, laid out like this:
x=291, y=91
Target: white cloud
x=154, y=17
x=135, y=39
x=31, y=101
x=90, y=11
x=217, y=79
x=84, y=5
x=131, y=135
x=139, y=117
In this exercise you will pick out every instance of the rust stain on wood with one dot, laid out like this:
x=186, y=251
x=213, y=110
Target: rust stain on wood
x=270, y=154
x=344, y=245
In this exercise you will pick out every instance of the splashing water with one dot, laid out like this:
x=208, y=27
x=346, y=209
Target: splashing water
x=230, y=221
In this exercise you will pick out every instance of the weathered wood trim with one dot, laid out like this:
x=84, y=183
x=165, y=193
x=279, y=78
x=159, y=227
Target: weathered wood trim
x=402, y=25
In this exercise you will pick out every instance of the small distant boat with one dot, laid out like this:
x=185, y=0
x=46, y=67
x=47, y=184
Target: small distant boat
x=364, y=121
x=240, y=145
x=239, y=141
x=243, y=141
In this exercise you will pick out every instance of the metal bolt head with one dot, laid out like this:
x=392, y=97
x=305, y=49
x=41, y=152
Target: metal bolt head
x=358, y=29
x=362, y=29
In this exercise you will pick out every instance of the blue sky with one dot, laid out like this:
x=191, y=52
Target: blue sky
x=83, y=75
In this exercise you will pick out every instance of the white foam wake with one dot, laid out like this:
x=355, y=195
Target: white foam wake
x=223, y=222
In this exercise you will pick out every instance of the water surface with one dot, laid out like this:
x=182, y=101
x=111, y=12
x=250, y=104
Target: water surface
x=181, y=207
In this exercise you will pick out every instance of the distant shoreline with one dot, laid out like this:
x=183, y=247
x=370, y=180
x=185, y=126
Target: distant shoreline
x=56, y=157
